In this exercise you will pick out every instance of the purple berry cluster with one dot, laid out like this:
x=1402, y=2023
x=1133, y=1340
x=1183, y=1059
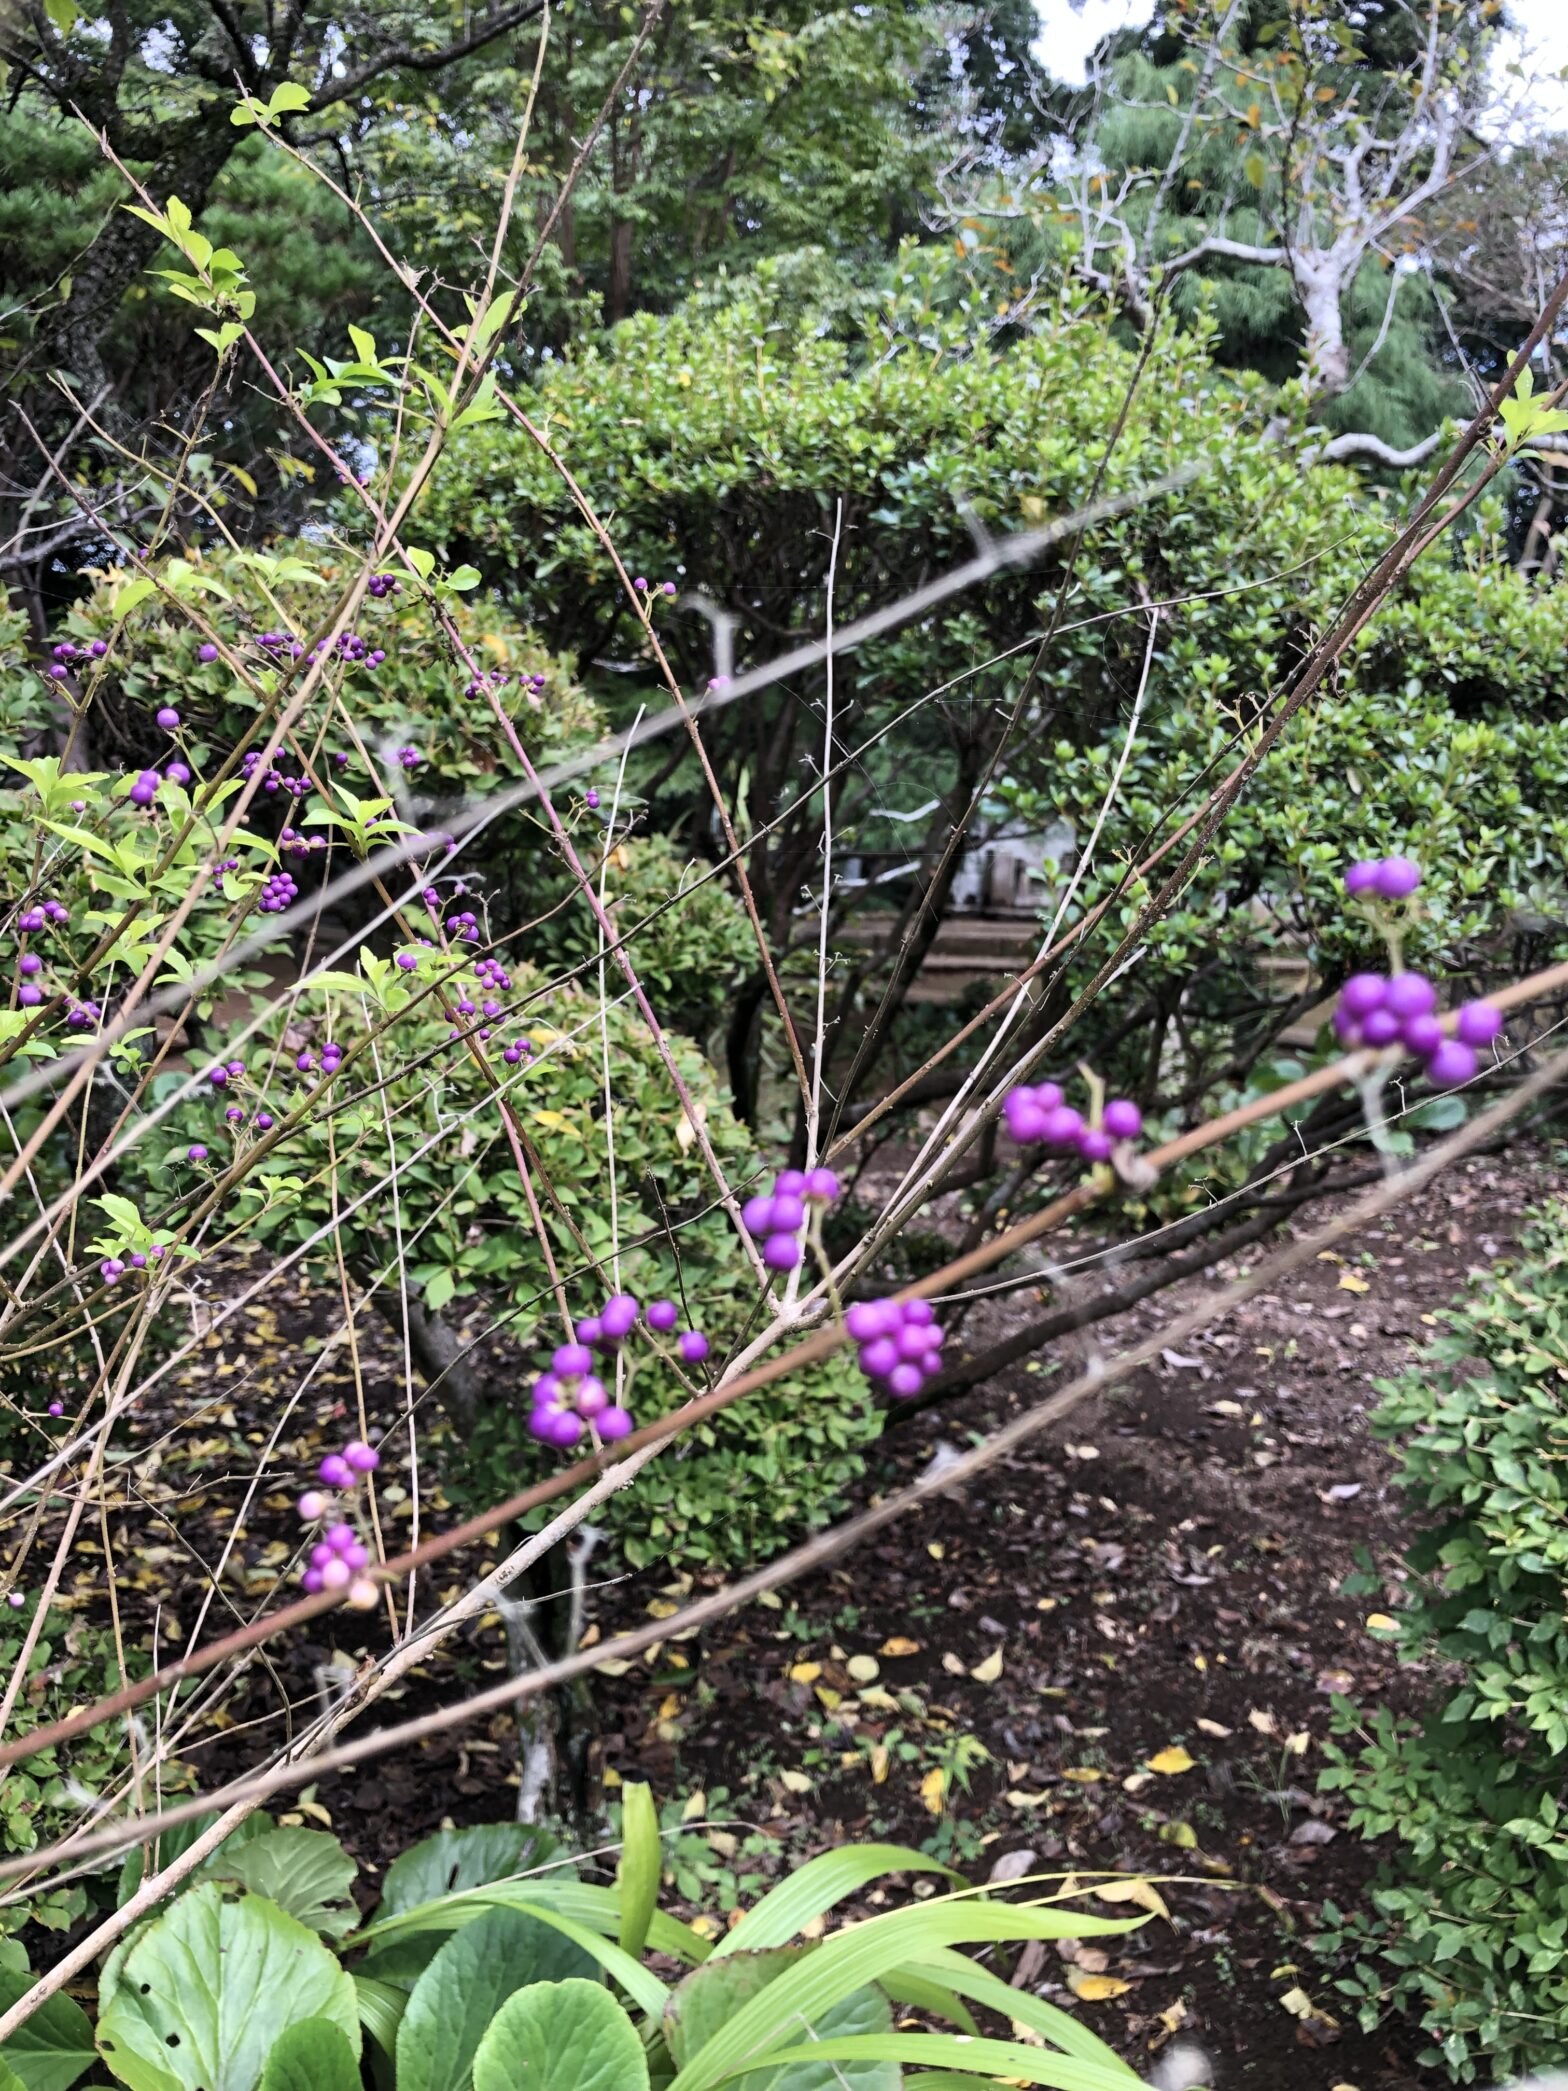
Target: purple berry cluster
x=339, y=1557
x=640, y=583
x=1383, y=878
x=66, y=651
x=293, y=844
x=777, y=1218
x=1402, y=1011
x=277, y=893
x=530, y=685
x=145, y=789
x=410, y=758
x=899, y=1343
x=114, y=1268
x=331, y=1059
x=570, y=1397
x=40, y=913
x=383, y=585
x=464, y=928
x=1041, y=1117
x=276, y=779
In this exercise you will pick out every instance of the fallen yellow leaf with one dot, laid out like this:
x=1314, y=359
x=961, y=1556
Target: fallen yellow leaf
x=879, y=1764
x=1297, y=2003
x=899, y=1644
x=1172, y=1760
x=864, y=1669
x=795, y=1782
x=1018, y=1799
x=932, y=1787
x=804, y=1673
x=1141, y=1892
x=830, y=1699
x=1175, y=2018
x=990, y=1670
x=695, y=1806
x=1095, y=1989
x=1352, y=1281
x=1213, y=1727
x=1181, y=1834
x=1380, y=1623
x=1083, y=1774
x=952, y=1665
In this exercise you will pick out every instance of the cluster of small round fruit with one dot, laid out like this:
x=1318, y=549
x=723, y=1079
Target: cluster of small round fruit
x=777, y=1218
x=339, y=1557
x=66, y=651
x=113, y=1268
x=570, y=1396
x=1383, y=878
x=899, y=1343
x=1379, y=1012
x=293, y=844
x=276, y=780
x=380, y=585
x=1041, y=1117
x=279, y=891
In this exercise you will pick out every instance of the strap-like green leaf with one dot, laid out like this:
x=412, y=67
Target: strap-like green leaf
x=1008, y=2059
x=1057, y=2026
x=863, y=1954
x=642, y=1865
x=599, y=1909
x=817, y=1887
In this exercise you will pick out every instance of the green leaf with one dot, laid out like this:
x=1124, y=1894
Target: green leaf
x=312, y=2056
x=381, y=2008
x=710, y=1996
x=856, y=1957
x=1002, y=2058
x=560, y=2036
x=453, y=1861
x=642, y=1864
x=65, y=14
x=54, y=2047
x=306, y=1872
x=172, y=1842
x=817, y=1887
x=464, y=1986
x=204, y=1993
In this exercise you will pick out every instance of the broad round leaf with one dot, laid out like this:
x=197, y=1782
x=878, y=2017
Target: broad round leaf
x=465, y=1985
x=54, y=2047
x=306, y=1872
x=206, y=1991
x=561, y=2036
x=312, y=2056
x=452, y=1860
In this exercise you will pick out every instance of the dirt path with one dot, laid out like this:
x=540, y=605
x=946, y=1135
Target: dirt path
x=1166, y=1578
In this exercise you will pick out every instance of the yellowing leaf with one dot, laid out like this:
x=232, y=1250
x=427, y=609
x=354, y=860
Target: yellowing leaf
x=990, y=1670
x=1263, y=1722
x=952, y=1665
x=1213, y=1727
x=879, y=1765
x=795, y=1782
x=831, y=1699
x=1297, y=2003
x=1352, y=1281
x=1380, y=1623
x=661, y=1608
x=1172, y=1760
x=1181, y=1834
x=1017, y=1798
x=1083, y=1774
x=899, y=1644
x=936, y=1549
x=1095, y=1989
x=932, y=1787
x=804, y=1673
x=864, y=1669
x=1141, y=1892
x=696, y=1805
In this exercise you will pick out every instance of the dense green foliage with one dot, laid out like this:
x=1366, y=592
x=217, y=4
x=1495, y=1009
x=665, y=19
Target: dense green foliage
x=1466, y=1931
x=491, y=1962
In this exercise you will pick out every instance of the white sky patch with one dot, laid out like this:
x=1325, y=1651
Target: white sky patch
x=1070, y=29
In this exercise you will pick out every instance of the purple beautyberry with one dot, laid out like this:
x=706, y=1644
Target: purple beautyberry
x=335, y=1471
x=31, y=963
x=821, y=1186
x=1410, y=994
x=1478, y=1023
x=619, y=1317
x=1122, y=1120
x=168, y=718
x=1362, y=993
x=1361, y=877
x=1453, y=1063
x=1421, y=1035
x=662, y=1315
x=781, y=1252
x=1398, y=878
x=572, y=1360
x=757, y=1215
x=591, y=800
x=360, y=1457
x=311, y=1505
x=613, y=1424
x=693, y=1346
x=198, y=1153
x=1095, y=1144
x=1381, y=1028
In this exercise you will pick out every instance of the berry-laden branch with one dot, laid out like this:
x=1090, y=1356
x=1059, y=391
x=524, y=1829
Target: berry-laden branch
x=813, y=1553
x=558, y=1394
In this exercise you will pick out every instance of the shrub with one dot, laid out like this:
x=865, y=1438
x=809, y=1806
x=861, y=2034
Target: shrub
x=1467, y=1930
x=489, y=1960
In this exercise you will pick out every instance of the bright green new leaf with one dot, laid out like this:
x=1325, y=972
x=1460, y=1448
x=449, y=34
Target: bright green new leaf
x=561, y=2036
